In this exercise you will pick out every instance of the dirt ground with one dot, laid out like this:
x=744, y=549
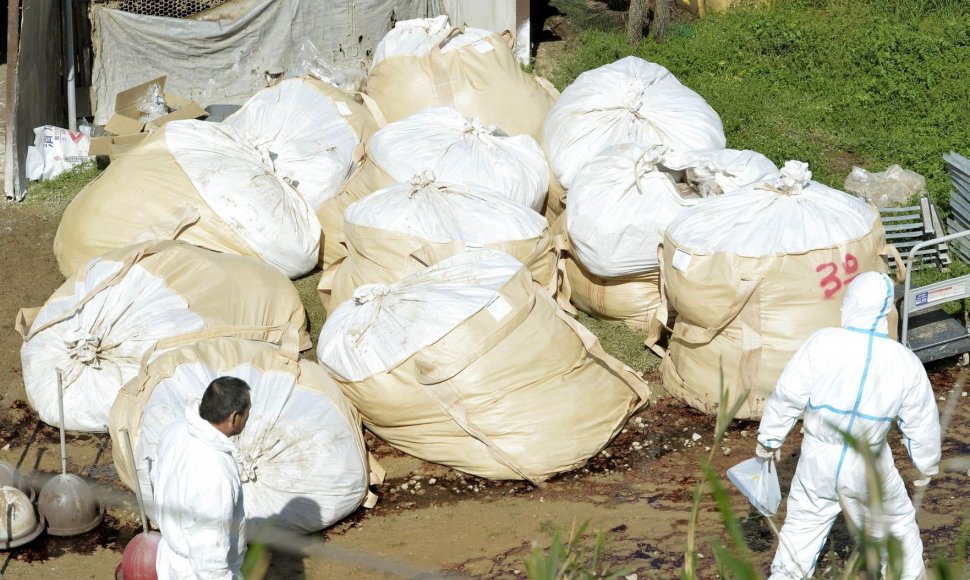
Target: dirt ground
x=452, y=524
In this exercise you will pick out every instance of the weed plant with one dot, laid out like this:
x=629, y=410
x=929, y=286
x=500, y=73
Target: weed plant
x=61, y=190
x=832, y=83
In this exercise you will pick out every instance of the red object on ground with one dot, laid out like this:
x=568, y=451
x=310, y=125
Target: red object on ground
x=138, y=561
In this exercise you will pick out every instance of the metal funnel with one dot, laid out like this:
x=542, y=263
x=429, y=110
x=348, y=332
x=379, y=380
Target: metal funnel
x=66, y=500
x=10, y=477
x=19, y=523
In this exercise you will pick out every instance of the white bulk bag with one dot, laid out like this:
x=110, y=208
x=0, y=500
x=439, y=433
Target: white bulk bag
x=466, y=364
x=408, y=226
x=419, y=36
x=302, y=459
x=196, y=182
x=751, y=275
x=715, y=171
x=308, y=132
x=619, y=205
x=426, y=63
x=628, y=101
x=98, y=324
x=464, y=151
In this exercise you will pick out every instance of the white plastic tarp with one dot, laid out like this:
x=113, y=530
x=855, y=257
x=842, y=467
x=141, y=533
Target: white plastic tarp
x=228, y=60
x=465, y=151
x=717, y=171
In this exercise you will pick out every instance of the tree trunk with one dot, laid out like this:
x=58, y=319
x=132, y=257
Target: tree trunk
x=661, y=19
x=636, y=21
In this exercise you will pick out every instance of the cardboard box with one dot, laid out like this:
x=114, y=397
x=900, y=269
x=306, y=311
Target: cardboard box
x=126, y=118
x=114, y=146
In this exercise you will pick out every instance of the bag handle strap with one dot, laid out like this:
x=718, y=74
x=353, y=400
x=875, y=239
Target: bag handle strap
x=746, y=289
x=449, y=400
x=375, y=110
x=592, y=344
x=286, y=336
x=661, y=316
x=428, y=374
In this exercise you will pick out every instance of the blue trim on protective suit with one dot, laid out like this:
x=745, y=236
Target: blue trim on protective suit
x=863, y=331
x=844, y=412
x=865, y=374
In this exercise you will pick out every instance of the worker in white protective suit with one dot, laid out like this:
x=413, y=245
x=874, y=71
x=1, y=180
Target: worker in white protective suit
x=853, y=379
x=196, y=487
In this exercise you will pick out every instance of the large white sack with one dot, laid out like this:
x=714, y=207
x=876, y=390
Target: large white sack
x=715, y=171
x=258, y=205
x=99, y=323
x=755, y=221
x=619, y=205
x=197, y=182
x=438, y=211
x=628, y=101
x=425, y=63
x=468, y=364
x=409, y=226
x=464, y=151
x=419, y=36
x=302, y=459
x=303, y=134
x=751, y=275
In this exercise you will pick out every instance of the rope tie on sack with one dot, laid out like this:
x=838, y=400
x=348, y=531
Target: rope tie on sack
x=475, y=127
x=421, y=181
x=247, y=468
x=795, y=176
x=632, y=100
x=647, y=163
x=365, y=295
x=83, y=347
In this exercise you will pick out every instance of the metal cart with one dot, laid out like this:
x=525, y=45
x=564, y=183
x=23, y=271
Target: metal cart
x=927, y=329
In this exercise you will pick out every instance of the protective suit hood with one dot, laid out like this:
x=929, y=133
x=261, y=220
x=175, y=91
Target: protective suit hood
x=867, y=303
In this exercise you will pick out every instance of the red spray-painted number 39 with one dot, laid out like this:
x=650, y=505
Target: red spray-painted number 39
x=831, y=283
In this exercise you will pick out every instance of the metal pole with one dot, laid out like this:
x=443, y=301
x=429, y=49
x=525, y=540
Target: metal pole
x=131, y=459
x=69, y=53
x=60, y=405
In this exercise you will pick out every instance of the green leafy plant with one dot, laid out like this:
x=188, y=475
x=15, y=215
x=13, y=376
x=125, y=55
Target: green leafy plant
x=572, y=560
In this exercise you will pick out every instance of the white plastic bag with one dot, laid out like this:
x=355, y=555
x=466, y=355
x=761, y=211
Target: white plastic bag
x=758, y=480
x=55, y=151
x=894, y=186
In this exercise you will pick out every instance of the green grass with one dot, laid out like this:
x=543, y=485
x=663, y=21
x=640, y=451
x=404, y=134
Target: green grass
x=621, y=341
x=831, y=83
x=306, y=286
x=62, y=189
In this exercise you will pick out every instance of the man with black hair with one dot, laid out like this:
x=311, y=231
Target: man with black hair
x=196, y=487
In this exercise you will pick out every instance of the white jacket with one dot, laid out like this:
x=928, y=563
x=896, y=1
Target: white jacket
x=198, y=502
x=855, y=379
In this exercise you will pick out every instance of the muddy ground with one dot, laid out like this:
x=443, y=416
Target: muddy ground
x=639, y=494
x=638, y=491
